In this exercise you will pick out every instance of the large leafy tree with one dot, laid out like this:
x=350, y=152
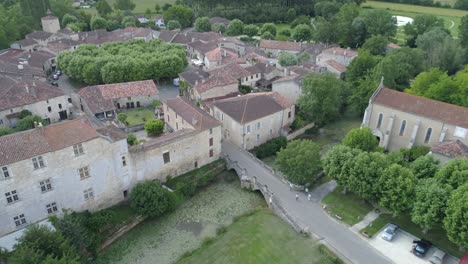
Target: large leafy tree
x=299, y=161
x=325, y=30
x=421, y=25
x=396, y=189
x=35, y=9
x=380, y=22
x=152, y=199
x=361, y=138
x=362, y=91
x=361, y=66
x=322, y=97
x=456, y=217
x=235, y=27
x=327, y=9
x=250, y=30
x=268, y=27
x=103, y=7
x=344, y=24
x=338, y=161
x=202, y=24
x=424, y=167
x=302, y=33
x=430, y=202
x=287, y=59
x=454, y=173
x=375, y=45
x=181, y=13
x=98, y=22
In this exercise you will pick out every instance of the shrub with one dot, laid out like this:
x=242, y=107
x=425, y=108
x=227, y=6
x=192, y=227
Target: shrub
x=28, y=122
x=151, y=199
x=245, y=89
x=154, y=127
x=132, y=139
x=24, y=113
x=415, y=152
x=6, y=131
x=298, y=123
x=270, y=147
x=122, y=117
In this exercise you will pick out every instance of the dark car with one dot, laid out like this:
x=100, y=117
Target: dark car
x=54, y=84
x=421, y=247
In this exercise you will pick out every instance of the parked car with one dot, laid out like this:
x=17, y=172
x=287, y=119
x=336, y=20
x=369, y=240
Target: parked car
x=389, y=232
x=55, y=77
x=54, y=84
x=58, y=72
x=437, y=257
x=421, y=247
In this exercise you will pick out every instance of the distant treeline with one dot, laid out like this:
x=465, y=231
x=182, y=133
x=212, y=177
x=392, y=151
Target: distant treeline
x=459, y=4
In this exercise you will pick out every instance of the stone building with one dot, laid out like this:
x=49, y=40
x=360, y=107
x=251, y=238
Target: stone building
x=69, y=165
x=275, y=47
x=401, y=120
x=336, y=59
x=102, y=101
x=41, y=99
x=50, y=23
x=252, y=119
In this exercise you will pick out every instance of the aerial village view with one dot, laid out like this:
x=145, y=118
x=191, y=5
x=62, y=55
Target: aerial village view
x=226, y=132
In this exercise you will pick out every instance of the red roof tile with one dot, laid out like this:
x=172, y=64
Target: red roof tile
x=451, y=149
x=192, y=114
x=280, y=45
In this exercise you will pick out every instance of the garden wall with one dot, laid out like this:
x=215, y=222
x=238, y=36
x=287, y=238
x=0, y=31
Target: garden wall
x=299, y=132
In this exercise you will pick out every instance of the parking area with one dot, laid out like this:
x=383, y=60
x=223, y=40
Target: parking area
x=399, y=249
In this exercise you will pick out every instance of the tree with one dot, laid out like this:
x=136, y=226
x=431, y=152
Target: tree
x=173, y=24
x=302, y=33
x=132, y=139
x=300, y=20
x=29, y=122
x=157, y=8
x=285, y=32
x=129, y=21
x=154, y=127
x=6, y=131
x=33, y=8
x=68, y=19
x=181, y=13
x=235, y=27
x=151, y=199
x=218, y=27
x=337, y=162
x=441, y=50
x=420, y=25
x=456, y=217
x=202, y=24
x=122, y=117
x=103, y=7
x=268, y=27
x=364, y=174
x=363, y=90
x=322, y=97
x=24, y=113
x=303, y=57
x=98, y=22
x=344, y=24
x=361, y=66
x=39, y=244
x=287, y=59
x=291, y=14
x=454, y=173
x=376, y=45
x=124, y=5
x=429, y=203
x=361, y=138
x=327, y=9
x=325, y=30
x=396, y=189
x=461, y=4
x=463, y=31
x=424, y=167
x=299, y=161
x=380, y=22
x=267, y=35
x=250, y=30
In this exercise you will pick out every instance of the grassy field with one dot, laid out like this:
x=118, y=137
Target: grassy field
x=139, y=116
x=142, y=5
x=259, y=238
x=451, y=17
x=350, y=207
x=437, y=235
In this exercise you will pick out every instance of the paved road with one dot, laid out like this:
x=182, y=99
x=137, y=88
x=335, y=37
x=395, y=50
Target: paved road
x=349, y=244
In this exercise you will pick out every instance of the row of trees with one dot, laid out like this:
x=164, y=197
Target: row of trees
x=433, y=195
x=123, y=62
x=459, y=4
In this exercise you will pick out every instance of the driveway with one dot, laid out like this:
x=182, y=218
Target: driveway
x=399, y=249
x=167, y=90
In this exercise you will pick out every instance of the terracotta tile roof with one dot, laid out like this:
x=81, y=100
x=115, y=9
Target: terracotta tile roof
x=222, y=55
x=167, y=35
x=280, y=45
x=26, y=42
x=192, y=114
x=214, y=81
x=99, y=98
x=447, y=113
x=31, y=143
x=194, y=76
x=232, y=69
x=41, y=35
x=253, y=106
x=335, y=65
x=341, y=52
x=451, y=149
x=112, y=132
x=16, y=93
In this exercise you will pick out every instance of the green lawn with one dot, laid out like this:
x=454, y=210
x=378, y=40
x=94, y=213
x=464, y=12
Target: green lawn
x=139, y=116
x=258, y=238
x=350, y=207
x=142, y=5
x=451, y=17
x=437, y=235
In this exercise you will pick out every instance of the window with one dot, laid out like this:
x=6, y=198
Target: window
x=1, y=121
x=20, y=220
x=168, y=119
x=124, y=161
x=428, y=135
x=211, y=153
x=258, y=125
x=51, y=208
x=379, y=122
x=256, y=75
x=403, y=127
x=222, y=117
x=211, y=131
x=166, y=157
x=46, y=185
x=60, y=106
x=11, y=196
x=258, y=137
x=88, y=193
x=211, y=142
x=289, y=114
x=84, y=172
x=5, y=172
x=49, y=109
x=78, y=149
x=38, y=162
x=196, y=164
x=248, y=129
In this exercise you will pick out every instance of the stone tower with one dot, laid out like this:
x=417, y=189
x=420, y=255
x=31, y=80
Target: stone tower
x=50, y=23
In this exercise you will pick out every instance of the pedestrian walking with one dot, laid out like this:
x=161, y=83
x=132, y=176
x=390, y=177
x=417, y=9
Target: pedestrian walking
x=307, y=190
x=309, y=197
x=297, y=196
x=290, y=187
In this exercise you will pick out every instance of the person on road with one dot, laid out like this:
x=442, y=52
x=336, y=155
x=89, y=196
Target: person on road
x=309, y=197
x=307, y=190
x=297, y=196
